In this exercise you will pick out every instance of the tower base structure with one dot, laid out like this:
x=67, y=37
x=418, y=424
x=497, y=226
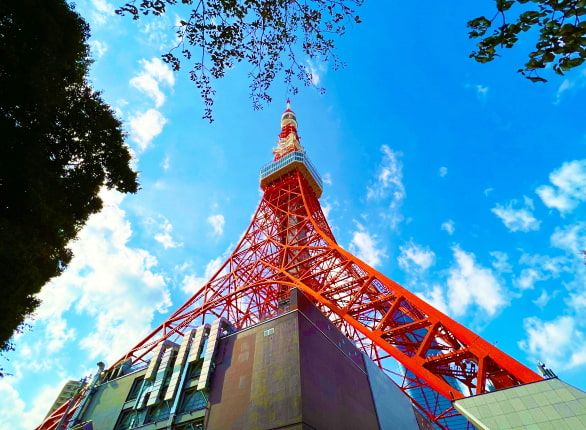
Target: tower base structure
x=548, y=404
x=293, y=371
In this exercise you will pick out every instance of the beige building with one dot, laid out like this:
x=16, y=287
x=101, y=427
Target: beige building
x=67, y=392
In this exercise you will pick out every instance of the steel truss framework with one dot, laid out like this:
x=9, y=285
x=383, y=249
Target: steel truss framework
x=289, y=244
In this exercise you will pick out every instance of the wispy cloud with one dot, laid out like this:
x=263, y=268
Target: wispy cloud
x=415, y=257
x=166, y=163
x=544, y=298
x=443, y=171
x=17, y=415
x=470, y=284
x=389, y=184
x=568, y=85
x=101, y=11
x=571, y=238
x=114, y=286
x=537, y=268
x=480, y=90
x=217, y=222
x=567, y=189
x=165, y=235
x=192, y=283
x=98, y=48
x=153, y=74
x=560, y=343
x=517, y=219
x=157, y=33
x=501, y=262
x=315, y=71
x=145, y=126
x=467, y=287
x=366, y=247
x=449, y=227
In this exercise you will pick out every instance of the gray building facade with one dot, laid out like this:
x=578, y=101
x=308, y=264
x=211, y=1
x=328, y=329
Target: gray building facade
x=293, y=371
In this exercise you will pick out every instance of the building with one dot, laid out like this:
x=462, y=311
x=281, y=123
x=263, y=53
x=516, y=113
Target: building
x=293, y=371
x=67, y=392
x=211, y=362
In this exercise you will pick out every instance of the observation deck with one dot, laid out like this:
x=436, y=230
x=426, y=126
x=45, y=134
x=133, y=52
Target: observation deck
x=289, y=162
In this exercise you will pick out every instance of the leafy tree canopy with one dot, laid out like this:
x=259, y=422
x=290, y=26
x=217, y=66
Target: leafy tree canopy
x=561, y=39
x=273, y=36
x=59, y=144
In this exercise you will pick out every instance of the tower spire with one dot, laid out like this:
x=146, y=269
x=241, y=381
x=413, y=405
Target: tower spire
x=288, y=137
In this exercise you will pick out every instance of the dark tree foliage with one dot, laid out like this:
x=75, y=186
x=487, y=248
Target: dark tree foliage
x=561, y=38
x=273, y=36
x=59, y=143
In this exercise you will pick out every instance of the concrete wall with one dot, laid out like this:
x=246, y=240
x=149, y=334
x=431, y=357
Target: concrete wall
x=393, y=408
x=256, y=381
x=108, y=400
x=548, y=404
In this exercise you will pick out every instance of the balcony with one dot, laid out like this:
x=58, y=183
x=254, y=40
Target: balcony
x=294, y=160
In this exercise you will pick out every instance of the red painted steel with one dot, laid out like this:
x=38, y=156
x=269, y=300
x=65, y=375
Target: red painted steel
x=290, y=244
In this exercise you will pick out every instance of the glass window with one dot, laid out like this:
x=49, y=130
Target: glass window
x=193, y=400
x=129, y=418
x=192, y=425
x=194, y=371
x=158, y=412
x=135, y=389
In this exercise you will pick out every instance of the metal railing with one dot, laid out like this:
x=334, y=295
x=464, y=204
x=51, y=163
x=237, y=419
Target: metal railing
x=292, y=157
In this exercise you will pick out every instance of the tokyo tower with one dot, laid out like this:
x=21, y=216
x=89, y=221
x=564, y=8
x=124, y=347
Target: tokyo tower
x=288, y=245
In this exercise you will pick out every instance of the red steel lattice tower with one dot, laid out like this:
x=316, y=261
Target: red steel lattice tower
x=289, y=244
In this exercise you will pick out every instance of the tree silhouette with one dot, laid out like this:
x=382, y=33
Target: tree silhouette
x=60, y=143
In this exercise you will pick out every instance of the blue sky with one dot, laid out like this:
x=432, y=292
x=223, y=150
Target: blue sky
x=462, y=181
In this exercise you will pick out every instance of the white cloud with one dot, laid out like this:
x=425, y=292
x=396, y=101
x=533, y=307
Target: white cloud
x=559, y=343
x=157, y=32
x=326, y=208
x=14, y=413
x=145, y=126
x=327, y=178
x=540, y=268
x=568, y=187
x=217, y=222
x=449, y=227
x=528, y=278
x=113, y=286
x=471, y=284
x=436, y=298
x=165, y=237
x=443, y=171
x=192, y=283
x=415, y=257
x=481, y=90
x=501, y=262
x=154, y=73
x=57, y=334
x=389, y=184
x=564, y=86
x=520, y=219
x=101, y=11
x=365, y=246
x=570, y=238
x=544, y=298
x=315, y=71
x=570, y=84
x=487, y=191
x=99, y=48
x=166, y=163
